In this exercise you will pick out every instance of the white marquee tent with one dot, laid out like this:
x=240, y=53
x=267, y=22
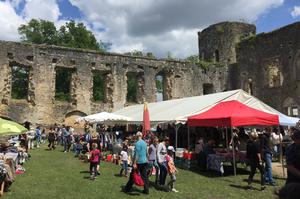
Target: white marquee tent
x=103, y=117
x=179, y=110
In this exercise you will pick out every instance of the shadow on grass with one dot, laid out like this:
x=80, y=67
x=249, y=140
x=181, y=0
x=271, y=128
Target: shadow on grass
x=84, y=172
x=134, y=191
x=243, y=187
x=228, y=171
x=158, y=187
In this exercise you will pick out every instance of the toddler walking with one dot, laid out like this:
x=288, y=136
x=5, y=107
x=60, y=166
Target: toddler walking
x=171, y=167
x=94, y=160
x=124, y=159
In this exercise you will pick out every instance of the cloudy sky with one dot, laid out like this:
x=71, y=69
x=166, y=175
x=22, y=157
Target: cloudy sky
x=158, y=26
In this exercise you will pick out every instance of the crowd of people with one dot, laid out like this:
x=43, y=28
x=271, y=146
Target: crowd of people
x=151, y=155
x=145, y=155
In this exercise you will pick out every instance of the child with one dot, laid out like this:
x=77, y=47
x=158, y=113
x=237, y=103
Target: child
x=171, y=168
x=94, y=160
x=124, y=159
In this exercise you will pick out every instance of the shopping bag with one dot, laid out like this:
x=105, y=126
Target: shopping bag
x=153, y=171
x=137, y=179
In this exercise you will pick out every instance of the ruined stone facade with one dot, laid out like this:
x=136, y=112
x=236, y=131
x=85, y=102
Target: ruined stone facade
x=180, y=79
x=269, y=63
x=266, y=65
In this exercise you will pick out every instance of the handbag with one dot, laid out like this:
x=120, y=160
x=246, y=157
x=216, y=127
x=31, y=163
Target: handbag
x=137, y=179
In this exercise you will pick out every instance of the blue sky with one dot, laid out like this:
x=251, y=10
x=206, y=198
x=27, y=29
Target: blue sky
x=277, y=17
x=158, y=26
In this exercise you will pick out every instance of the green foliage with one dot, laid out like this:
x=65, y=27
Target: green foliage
x=69, y=35
x=98, y=86
x=159, y=85
x=131, y=87
x=39, y=32
x=220, y=29
x=20, y=80
x=194, y=59
x=62, y=84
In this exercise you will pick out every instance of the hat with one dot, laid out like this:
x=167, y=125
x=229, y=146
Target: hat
x=171, y=148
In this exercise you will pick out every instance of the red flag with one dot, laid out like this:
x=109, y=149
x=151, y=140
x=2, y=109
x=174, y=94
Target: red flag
x=146, y=120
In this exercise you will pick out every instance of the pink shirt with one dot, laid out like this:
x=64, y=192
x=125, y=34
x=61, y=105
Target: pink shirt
x=95, y=155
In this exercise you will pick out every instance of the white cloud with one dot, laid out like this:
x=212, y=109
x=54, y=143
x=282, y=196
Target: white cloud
x=161, y=26
x=9, y=21
x=296, y=11
x=41, y=9
x=147, y=25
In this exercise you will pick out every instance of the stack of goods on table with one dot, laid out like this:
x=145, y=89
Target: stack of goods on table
x=189, y=159
x=11, y=161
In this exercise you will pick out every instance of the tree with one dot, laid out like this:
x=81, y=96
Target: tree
x=39, y=32
x=69, y=35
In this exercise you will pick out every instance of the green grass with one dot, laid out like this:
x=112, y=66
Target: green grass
x=55, y=175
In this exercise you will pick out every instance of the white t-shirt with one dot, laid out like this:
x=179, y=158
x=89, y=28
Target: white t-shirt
x=276, y=138
x=124, y=156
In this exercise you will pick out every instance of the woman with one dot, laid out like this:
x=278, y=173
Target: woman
x=235, y=140
x=95, y=140
x=255, y=160
x=51, y=139
x=152, y=158
x=161, y=158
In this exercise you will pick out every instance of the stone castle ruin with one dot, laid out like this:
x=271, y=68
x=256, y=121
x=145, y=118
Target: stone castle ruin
x=265, y=65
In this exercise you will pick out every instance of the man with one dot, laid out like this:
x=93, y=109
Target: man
x=254, y=157
x=267, y=153
x=139, y=163
x=38, y=136
x=293, y=158
x=67, y=138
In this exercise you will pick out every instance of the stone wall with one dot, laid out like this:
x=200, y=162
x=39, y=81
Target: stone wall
x=181, y=79
x=268, y=65
x=217, y=42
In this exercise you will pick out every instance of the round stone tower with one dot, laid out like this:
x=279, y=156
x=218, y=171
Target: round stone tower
x=217, y=42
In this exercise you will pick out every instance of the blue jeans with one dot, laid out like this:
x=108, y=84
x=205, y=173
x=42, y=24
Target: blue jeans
x=268, y=167
x=124, y=167
x=163, y=171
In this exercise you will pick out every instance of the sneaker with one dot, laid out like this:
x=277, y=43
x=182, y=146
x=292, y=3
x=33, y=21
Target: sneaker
x=174, y=190
x=272, y=184
x=65, y=151
x=249, y=187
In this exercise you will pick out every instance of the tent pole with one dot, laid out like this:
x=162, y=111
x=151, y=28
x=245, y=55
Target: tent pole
x=226, y=136
x=233, y=153
x=281, y=152
x=188, y=138
x=176, y=136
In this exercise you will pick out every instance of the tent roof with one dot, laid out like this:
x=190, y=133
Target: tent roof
x=178, y=110
x=103, y=117
x=233, y=113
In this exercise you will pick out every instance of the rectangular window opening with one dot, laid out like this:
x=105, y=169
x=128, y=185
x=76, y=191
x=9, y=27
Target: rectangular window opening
x=63, y=84
x=99, y=81
x=132, y=87
x=20, y=81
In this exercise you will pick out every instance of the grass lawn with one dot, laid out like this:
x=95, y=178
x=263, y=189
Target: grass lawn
x=55, y=175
